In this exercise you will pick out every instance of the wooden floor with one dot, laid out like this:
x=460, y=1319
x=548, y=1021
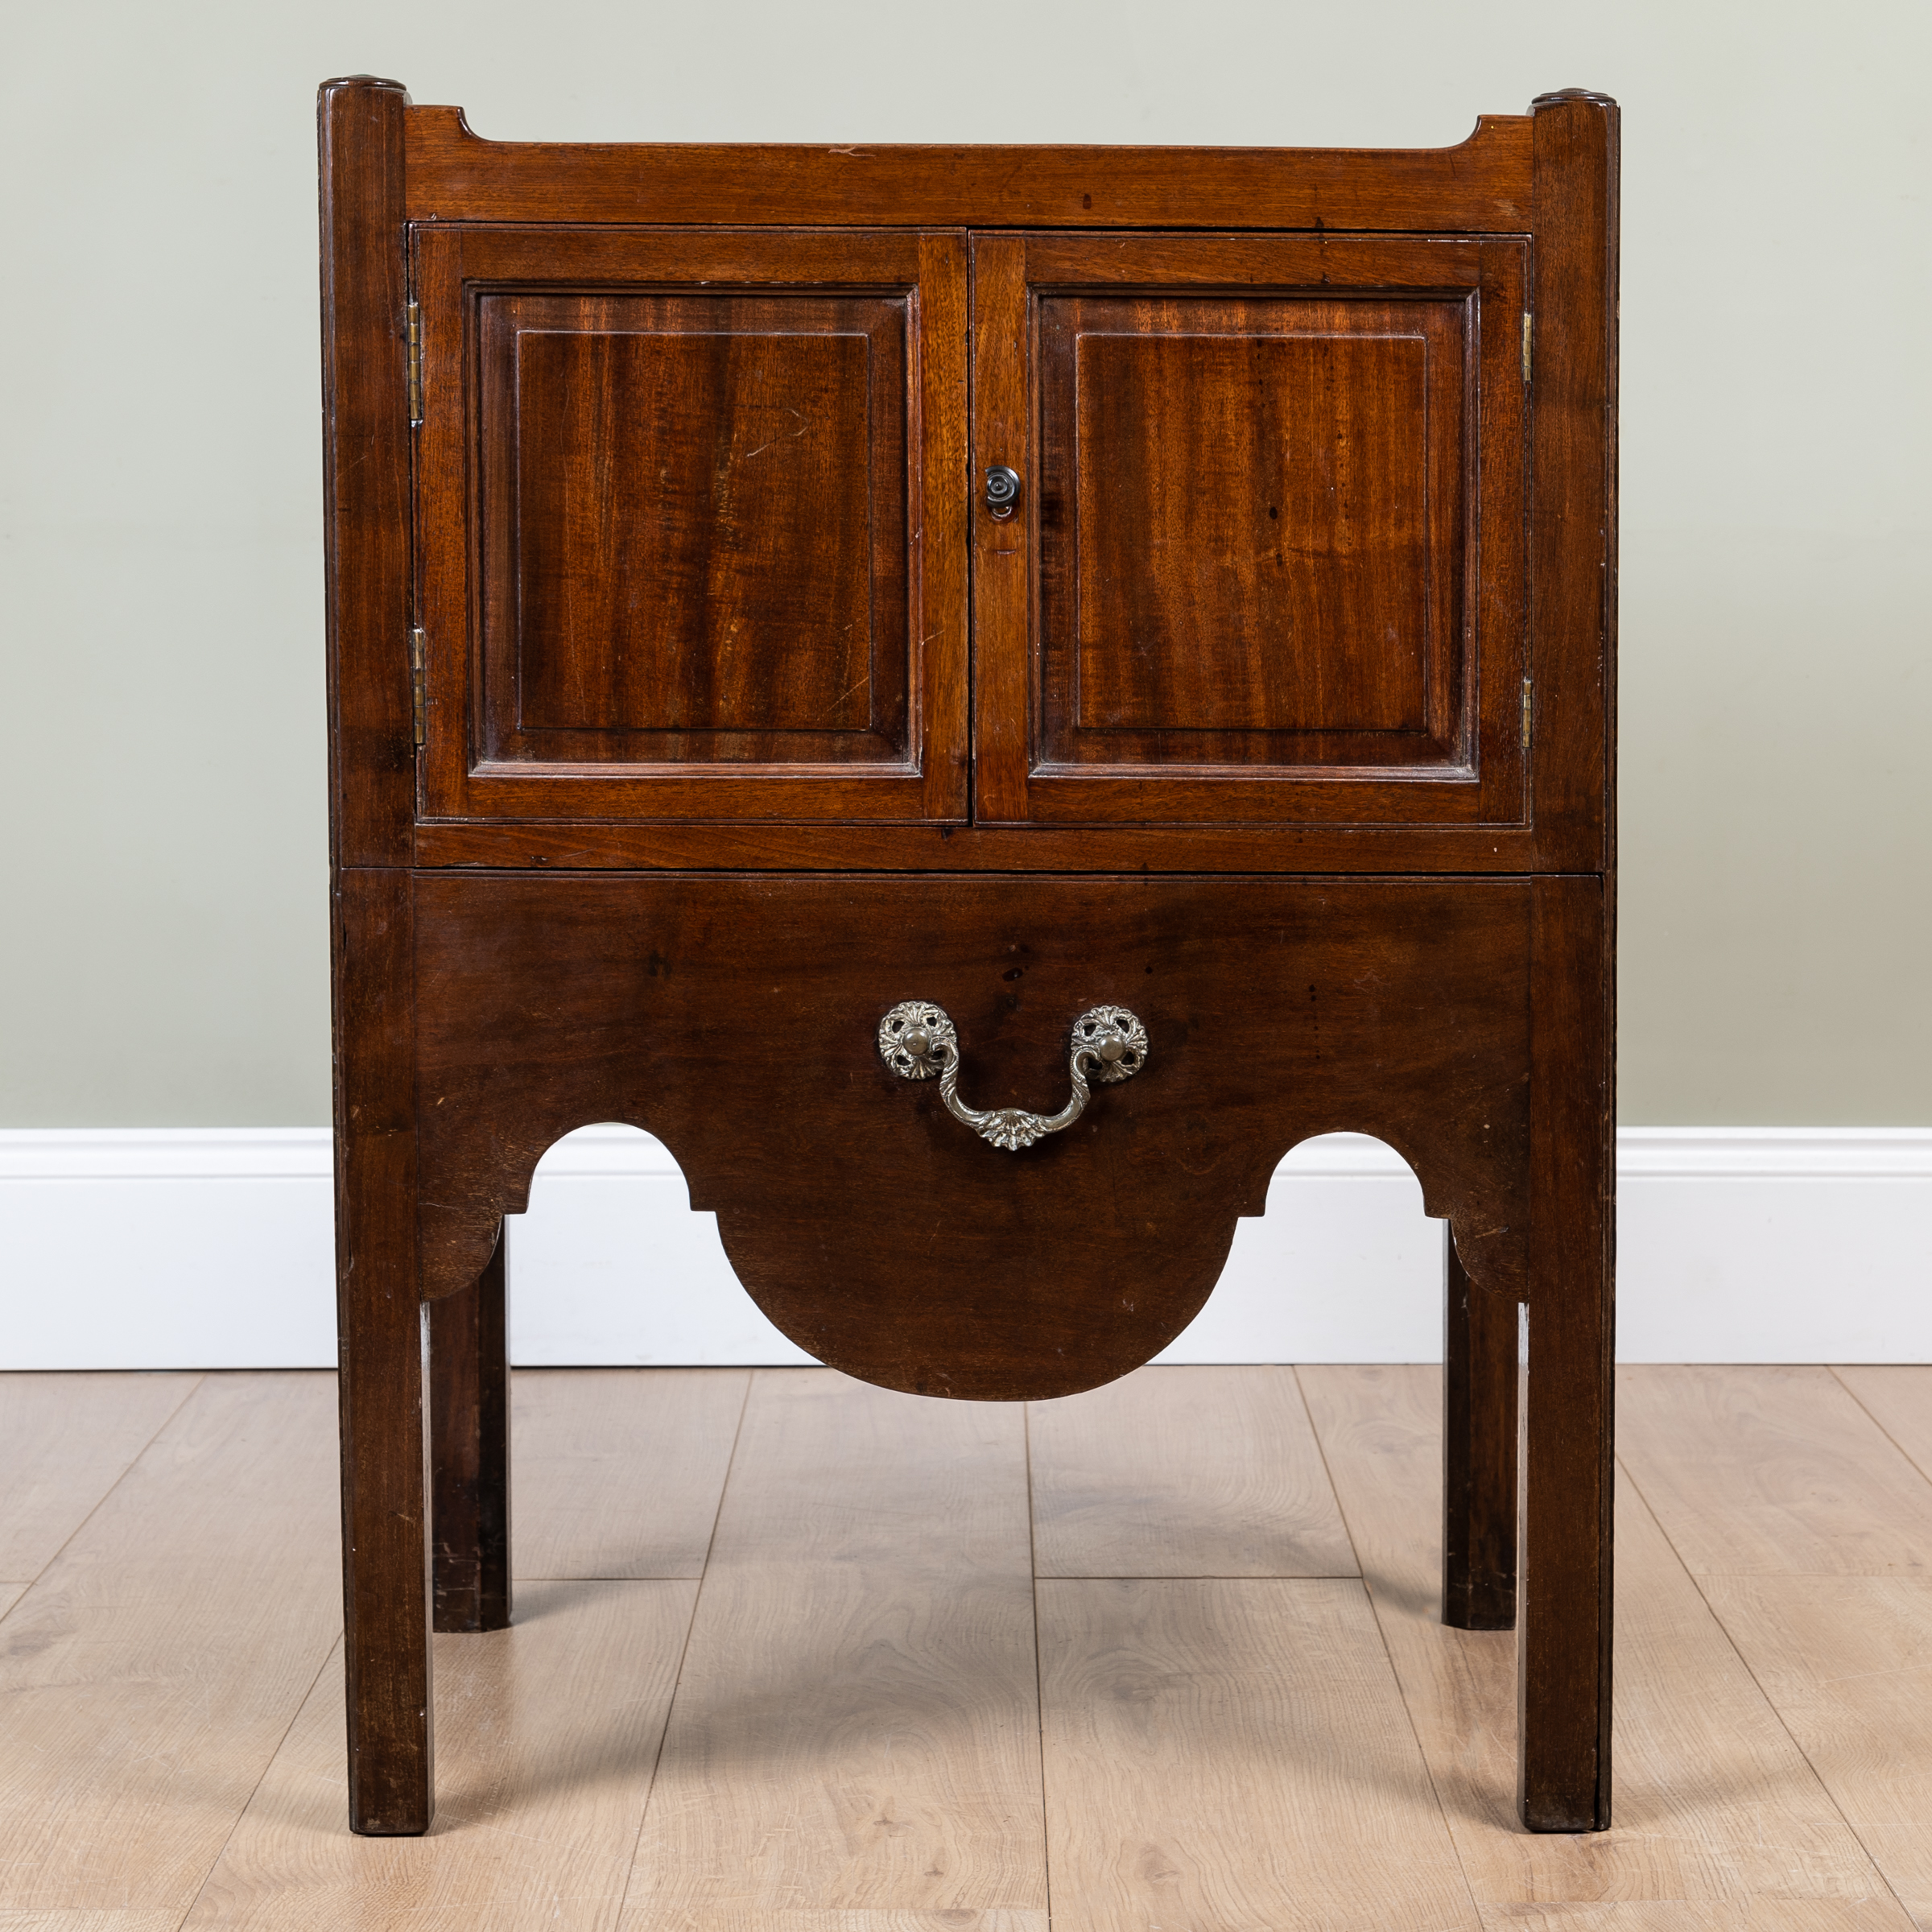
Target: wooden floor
x=794, y=1655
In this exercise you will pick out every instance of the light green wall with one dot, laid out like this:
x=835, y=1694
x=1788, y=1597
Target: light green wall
x=164, y=951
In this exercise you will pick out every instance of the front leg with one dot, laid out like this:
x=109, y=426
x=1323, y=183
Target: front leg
x=1564, y=1641
x=384, y=1329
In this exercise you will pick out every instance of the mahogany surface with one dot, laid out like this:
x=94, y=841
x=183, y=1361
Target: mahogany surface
x=726, y=453
x=1279, y=711
x=1483, y=183
x=723, y=1013
x=684, y=548
x=469, y=1451
x=1278, y=534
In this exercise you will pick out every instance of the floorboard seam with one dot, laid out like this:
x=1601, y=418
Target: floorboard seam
x=691, y=1624
x=268, y=1764
x=1375, y=1610
x=1232, y=1576
x=1039, y=1674
x=1716, y=1616
x=127, y=1468
x=1832, y=1370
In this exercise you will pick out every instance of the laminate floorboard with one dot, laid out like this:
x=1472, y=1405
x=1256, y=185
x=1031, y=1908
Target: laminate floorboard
x=1772, y=1472
x=150, y=1673
x=837, y=1726
x=85, y=1921
x=618, y=1471
x=65, y=1440
x=1699, y=1915
x=1899, y=1399
x=1232, y=1756
x=725, y=1919
x=546, y=1735
x=1714, y=1806
x=856, y=1726
x=1184, y=1471
x=1848, y=1663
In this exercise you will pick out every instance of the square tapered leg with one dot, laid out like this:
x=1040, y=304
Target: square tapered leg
x=384, y=1330
x=1479, y=1452
x=1563, y=1636
x=470, y=1481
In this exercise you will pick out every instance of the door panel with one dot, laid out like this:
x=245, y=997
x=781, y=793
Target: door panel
x=679, y=559
x=666, y=558
x=1257, y=532
x=1273, y=555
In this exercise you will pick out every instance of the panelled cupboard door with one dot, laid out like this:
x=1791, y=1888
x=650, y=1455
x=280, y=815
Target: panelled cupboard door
x=692, y=523
x=1267, y=561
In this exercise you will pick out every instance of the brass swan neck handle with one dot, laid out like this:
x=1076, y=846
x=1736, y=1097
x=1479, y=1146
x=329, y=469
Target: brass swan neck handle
x=918, y=1040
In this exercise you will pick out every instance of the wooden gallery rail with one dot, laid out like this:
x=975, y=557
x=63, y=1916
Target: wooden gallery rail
x=832, y=650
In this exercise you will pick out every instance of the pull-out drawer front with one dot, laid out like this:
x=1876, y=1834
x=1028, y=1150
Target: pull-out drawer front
x=690, y=531
x=735, y=1018
x=1274, y=566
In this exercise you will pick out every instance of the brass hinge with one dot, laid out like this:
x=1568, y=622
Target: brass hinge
x=1529, y=343
x=1529, y=708
x=418, y=679
x=414, y=333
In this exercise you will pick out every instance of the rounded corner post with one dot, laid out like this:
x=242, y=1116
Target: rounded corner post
x=1563, y=1645
x=382, y=1321
x=1574, y=479
x=365, y=467
x=1561, y=97
x=343, y=83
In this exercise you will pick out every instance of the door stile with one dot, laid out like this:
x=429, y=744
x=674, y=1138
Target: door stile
x=937, y=452
x=1495, y=603
x=1002, y=549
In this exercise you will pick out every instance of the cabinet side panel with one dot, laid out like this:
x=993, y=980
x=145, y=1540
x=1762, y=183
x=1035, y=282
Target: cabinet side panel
x=365, y=470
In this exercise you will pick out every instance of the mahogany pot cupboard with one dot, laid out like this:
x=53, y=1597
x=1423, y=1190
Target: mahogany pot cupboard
x=981, y=694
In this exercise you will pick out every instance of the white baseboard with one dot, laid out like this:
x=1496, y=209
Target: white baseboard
x=167, y=1248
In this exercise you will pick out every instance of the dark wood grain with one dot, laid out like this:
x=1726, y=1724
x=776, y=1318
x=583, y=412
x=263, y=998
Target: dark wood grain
x=365, y=475
x=681, y=489
x=1252, y=537
x=469, y=1450
x=587, y=844
x=381, y=1318
x=1276, y=507
x=1003, y=550
x=735, y=1019
x=1482, y=183
x=1564, y=1604
x=1480, y=1408
x=692, y=807
x=384, y=1327
x=694, y=525
x=1564, y=1643
x=1573, y=527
